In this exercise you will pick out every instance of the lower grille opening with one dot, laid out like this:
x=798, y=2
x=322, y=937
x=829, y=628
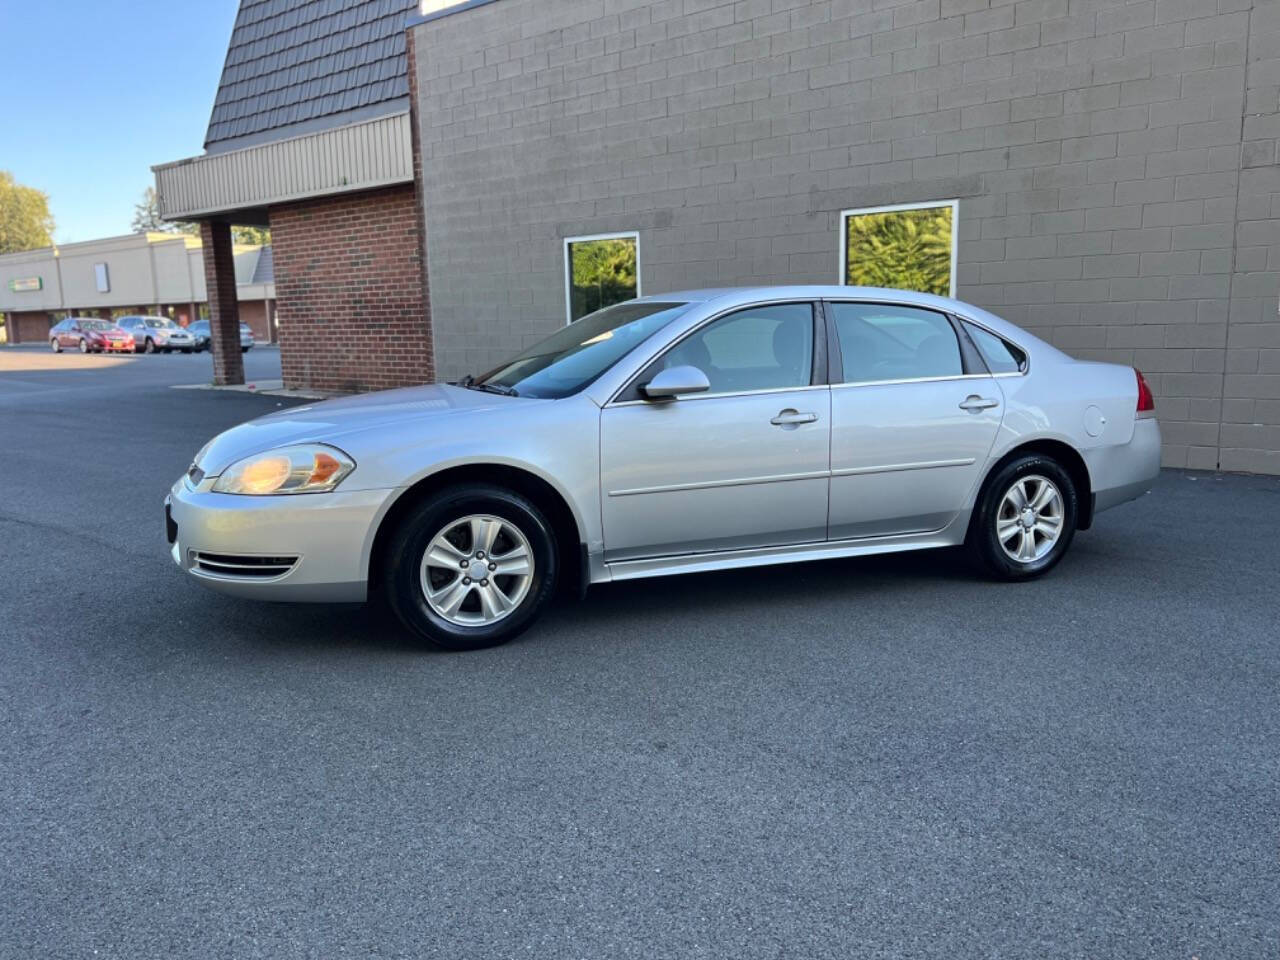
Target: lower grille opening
x=244, y=567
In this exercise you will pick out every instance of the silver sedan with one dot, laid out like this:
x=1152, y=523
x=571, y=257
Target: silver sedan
x=672, y=434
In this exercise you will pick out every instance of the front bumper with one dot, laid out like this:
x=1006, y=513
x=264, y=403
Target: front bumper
x=305, y=548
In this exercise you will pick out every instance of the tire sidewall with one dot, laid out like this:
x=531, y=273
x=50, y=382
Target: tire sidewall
x=982, y=531
x=404, y=557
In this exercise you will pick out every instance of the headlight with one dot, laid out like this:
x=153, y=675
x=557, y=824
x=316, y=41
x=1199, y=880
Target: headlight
x=308, y=468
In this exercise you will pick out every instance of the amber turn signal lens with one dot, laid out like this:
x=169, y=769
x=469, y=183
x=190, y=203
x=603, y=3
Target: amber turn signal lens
x=324, y=467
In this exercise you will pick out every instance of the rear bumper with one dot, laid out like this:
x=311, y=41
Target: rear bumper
x=293, y=548
x=1125, y=472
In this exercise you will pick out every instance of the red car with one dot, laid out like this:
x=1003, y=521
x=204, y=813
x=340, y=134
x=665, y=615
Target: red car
x=89, y=335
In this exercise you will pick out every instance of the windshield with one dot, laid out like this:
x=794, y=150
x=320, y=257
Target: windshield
x=95, y=325
x=158, y=322
x=571, y=358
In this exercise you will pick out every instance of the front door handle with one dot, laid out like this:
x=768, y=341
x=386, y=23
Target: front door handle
x=789, y=418
x=974, y=403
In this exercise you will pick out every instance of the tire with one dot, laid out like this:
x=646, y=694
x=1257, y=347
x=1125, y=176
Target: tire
x=1015, y=557
x=84, y=345
x=168, y=349
x=452, y=512
x=54, y=345
x=149, y=346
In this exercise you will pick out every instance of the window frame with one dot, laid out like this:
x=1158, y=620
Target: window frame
x=972, y=363
x=568, y=266
x=999, y=336
x=630, y=394
x=843, y=230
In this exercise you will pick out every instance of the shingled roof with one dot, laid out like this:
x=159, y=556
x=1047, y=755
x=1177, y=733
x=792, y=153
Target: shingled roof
x=298, y=66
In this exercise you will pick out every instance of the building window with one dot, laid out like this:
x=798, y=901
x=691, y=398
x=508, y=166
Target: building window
x=600, y=271
x=906, y=247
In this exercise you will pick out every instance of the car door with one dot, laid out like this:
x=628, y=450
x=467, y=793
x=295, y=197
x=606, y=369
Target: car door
x=744, y=464
x=914, y=414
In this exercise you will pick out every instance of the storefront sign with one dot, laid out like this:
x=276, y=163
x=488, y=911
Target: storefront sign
x=26, y=284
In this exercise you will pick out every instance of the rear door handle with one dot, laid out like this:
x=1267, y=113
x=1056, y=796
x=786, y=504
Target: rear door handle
x=973, y=403
x=789, y=417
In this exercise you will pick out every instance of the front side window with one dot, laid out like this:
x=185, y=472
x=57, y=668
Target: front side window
x=760, y=348
x=601, y=271
x=910, y=247
x=889, y=342
x=1000, y=355
x=576, y=355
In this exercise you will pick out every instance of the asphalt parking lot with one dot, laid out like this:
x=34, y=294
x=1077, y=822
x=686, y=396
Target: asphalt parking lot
x=869, y=758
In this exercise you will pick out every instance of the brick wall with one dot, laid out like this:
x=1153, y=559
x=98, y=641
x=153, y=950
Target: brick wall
x=31, y=326
x=348, y=275
x=254, y=313
x=1114, y=160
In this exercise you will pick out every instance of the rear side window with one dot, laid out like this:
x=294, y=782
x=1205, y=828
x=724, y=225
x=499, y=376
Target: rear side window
x=891, y=342
x=1000, y=355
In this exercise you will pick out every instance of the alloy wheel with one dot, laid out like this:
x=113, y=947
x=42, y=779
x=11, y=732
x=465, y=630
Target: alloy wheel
x=1030, y=519
x=477, y=570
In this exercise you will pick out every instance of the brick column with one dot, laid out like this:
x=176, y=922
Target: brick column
x=224, y=312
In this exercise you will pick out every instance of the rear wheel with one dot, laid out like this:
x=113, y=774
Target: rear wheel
x=471, y=567
x=54, y=345
x=1025, y=518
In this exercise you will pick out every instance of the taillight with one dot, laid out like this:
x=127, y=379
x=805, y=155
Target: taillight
x=1146, y=401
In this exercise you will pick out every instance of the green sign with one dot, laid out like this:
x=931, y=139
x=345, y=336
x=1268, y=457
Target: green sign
x=26, y=284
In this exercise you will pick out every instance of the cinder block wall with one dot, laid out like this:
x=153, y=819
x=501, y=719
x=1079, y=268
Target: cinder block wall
x=348, y=273
x=1115, y=162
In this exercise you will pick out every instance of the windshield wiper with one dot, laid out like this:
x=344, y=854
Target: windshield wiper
x=494, y=388
x=470, y=383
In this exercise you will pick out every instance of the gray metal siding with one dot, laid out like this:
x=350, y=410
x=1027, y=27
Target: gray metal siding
x=1114, y=162
x=294, y=62
x=357, y=157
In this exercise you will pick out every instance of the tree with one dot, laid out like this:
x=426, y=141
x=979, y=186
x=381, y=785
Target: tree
x=257, y=236
x=903, y=249
x=25, y=220
x=146, y=217
x=604, y=273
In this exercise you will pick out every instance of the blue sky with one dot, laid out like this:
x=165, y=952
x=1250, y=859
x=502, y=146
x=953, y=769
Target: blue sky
x=93, y=93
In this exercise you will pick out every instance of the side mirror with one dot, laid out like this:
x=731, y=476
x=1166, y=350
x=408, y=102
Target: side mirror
x=676, y=382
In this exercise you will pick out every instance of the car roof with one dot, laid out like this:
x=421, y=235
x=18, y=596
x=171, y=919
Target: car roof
x=723, y=297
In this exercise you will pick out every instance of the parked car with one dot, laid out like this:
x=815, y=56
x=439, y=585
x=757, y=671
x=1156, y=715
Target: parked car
x=674, y=434
x=89, y=335
x=152, y=334
x=200, y=330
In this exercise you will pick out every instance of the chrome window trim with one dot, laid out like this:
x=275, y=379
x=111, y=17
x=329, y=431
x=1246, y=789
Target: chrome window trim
x=963, y=318
x=613, y=401
x=714, y=396
x=999, y=336
x=883, y=383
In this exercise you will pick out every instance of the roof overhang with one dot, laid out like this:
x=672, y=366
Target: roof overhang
x=240, y=185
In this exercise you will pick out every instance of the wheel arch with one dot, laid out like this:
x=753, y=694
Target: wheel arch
x=1071, y=461
x=569, y=539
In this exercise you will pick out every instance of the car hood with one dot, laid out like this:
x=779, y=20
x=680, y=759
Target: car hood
x=333, y=420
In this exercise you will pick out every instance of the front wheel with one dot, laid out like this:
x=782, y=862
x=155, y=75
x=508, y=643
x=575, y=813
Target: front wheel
x=150, y=346
x=84, y=346
x=1025, y=518
x=471, y=567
